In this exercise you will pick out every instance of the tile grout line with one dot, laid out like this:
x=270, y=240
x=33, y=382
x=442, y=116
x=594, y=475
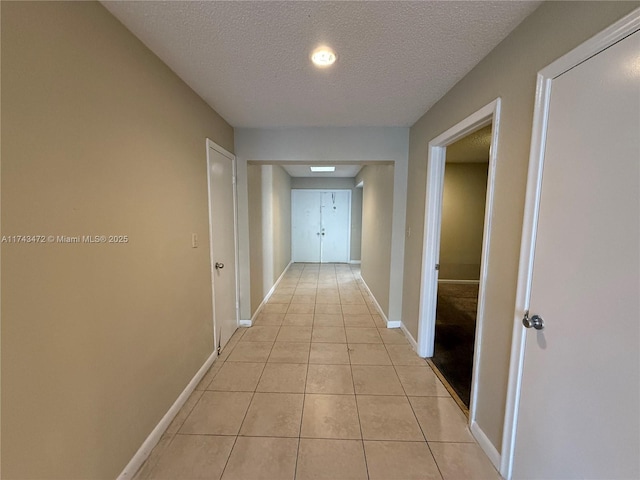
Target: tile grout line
x=253, y=394
x=173, y=436
x=316, y=438
x=304, y=396
x=456, y=398
x=355, y=398
x=424, y=435
x=204, y=390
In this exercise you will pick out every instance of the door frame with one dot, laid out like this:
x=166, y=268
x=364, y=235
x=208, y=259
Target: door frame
x=210, y=144
x=348, y=229
x=606, y=38
x=487, y=115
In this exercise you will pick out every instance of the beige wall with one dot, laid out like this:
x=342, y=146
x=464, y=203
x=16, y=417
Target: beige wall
x=269, y=202
x=99, y=137
x=281, y=221
x=323, y=182
x=509, y=72
x=377, y=213
x=356, y=203
x=254, y=187
x=463, y=199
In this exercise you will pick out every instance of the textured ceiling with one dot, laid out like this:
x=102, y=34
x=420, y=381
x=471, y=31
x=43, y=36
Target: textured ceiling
x=474, y=148
x=250, y=60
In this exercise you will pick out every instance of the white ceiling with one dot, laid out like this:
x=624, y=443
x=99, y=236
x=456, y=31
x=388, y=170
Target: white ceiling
x=349, y=171
x=250, y=60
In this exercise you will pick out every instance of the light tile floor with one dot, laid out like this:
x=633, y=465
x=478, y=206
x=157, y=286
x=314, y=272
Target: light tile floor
x=318, y=388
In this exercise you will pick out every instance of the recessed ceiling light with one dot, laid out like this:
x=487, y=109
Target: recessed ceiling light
x=323, y=169
x=323, y=57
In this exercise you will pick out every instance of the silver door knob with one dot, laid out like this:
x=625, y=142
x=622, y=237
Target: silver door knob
x=219, y=265
x=535, y=321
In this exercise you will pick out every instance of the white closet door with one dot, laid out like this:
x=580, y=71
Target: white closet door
x=336, y=226
x=305, y=225
x=223, y=244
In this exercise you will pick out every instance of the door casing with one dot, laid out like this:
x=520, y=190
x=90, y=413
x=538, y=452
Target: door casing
x=212, y=145
x=489, y=114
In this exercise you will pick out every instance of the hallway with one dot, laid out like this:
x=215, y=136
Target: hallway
x=319, y=388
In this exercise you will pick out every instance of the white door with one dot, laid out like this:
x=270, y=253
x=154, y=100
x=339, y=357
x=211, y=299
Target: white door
x=335, y=228
x=320, y=226
x=223, y=242
x=305, y=226
x=579, y=403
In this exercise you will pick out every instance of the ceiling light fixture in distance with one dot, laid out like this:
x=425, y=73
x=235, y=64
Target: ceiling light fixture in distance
x=323, y=169
x=323, y=57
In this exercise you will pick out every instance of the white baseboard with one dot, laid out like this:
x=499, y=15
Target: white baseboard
x=154, y=437
x=392, y=323
x=380, y=312
x=355, y=262
x=266, y=298
x=486, y=445
x=466, y=282
x=407, y=334
x=255, y=315
x=245, y=323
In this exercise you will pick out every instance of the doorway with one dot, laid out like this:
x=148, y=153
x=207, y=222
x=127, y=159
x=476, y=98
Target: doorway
x=462, y=225
x=489, y=115
x=320, y=226
x=221, y=174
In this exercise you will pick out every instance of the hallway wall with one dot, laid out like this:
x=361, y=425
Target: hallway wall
x=256, y=260
x=377, y=218
x=463, y=201
x=508, y=72
x=269, y=202
x=281, y=207
x=321, y=144
x=328, y=183
x=99, y=137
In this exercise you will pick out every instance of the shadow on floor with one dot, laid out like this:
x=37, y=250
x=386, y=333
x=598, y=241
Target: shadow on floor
x=455, y=335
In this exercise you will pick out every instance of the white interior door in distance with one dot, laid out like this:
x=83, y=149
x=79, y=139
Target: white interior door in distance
x=336, y=226
x=305, y=225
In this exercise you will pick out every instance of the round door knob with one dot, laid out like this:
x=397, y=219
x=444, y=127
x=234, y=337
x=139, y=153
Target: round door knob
x=535, y=321
x=219, y=265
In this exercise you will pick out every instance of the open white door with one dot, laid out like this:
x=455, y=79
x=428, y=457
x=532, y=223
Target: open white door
x=579, y=385
x=223, y=226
